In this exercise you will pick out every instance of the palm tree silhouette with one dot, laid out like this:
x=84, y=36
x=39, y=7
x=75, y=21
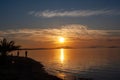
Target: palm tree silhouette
x=7, y=46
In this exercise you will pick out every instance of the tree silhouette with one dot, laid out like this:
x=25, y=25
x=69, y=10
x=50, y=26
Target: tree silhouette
x=7, y=46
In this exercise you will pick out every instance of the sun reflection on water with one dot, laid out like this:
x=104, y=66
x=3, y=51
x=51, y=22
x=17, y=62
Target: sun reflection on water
x=62, y=55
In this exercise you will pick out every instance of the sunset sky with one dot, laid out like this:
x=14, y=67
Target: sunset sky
x=40, y=23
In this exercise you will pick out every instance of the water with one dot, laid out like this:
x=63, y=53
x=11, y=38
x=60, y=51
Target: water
x=95, y=63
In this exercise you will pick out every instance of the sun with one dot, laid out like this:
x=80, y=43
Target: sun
x=61, y=39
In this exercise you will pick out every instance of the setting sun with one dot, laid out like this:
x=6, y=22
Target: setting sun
x=61, y=39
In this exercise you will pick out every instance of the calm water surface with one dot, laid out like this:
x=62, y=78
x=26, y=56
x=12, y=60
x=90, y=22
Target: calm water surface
x=96, y=63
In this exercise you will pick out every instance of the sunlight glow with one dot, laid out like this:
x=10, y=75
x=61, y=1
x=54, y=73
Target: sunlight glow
x=62, y=55
x=61, y=39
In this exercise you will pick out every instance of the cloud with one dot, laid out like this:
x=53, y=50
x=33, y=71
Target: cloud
x=73, y=31
x=79, y=34
x=73, y=13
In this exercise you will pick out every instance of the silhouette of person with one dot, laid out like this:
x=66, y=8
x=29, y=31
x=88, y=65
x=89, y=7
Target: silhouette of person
x=26, y=53
x=17, y=53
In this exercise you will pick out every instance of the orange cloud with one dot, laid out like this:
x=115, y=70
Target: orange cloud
x=73, y=34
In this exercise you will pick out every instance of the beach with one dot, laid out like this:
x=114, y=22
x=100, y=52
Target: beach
x=23, y=68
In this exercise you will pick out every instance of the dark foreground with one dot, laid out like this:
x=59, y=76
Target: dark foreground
x=22, y=68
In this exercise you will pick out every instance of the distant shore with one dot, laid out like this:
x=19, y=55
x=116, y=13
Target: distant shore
x=69, y=48
x=23, y=68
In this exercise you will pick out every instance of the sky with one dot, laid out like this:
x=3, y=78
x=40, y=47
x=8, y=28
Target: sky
x=43, y=21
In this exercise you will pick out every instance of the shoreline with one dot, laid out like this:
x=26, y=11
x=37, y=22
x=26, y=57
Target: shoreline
x=23, y=68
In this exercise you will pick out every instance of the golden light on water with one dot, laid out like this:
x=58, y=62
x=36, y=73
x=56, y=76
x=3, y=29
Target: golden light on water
x=61, y=39
x=62, y=55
